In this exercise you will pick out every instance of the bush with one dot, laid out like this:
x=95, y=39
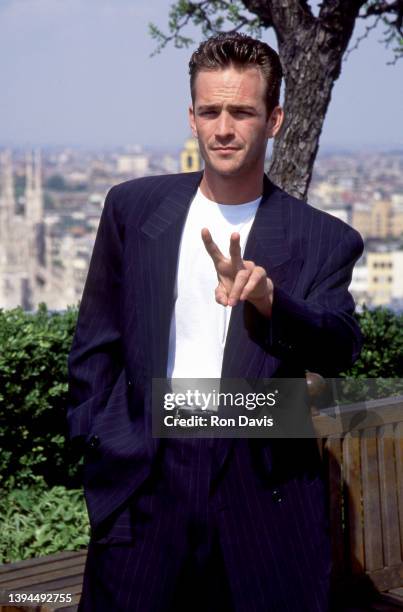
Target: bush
x=33, y=397
x=379, y=370
x=382, y=353
x=37, y=521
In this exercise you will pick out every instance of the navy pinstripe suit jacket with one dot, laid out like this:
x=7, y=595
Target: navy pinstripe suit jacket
x=121, y=338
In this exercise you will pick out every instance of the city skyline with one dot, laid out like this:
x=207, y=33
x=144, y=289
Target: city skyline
x=81, y=75
x=50, y=206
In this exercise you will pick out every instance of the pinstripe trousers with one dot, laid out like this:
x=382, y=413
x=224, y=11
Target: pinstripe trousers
x=193, y=540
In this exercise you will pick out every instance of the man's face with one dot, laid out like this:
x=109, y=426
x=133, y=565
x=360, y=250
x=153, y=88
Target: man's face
x=229, y=118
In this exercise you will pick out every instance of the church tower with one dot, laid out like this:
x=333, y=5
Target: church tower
x=34, y=219
x=14, y=276
x=7, y=198
x=190, y=160
x=33, y=189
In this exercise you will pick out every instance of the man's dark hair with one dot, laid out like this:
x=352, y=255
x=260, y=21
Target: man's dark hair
x=242, y=51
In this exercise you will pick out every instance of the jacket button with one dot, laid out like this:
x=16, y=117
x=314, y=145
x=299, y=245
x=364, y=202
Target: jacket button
x=129, y=383
x=94, y=441
x=276, y=496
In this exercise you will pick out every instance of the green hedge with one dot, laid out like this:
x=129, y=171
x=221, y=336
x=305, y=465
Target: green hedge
x=379, y=370
x=33, y=396
x=38, y=521
x=382, y=353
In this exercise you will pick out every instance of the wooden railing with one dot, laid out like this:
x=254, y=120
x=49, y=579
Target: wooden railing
x=362, y=449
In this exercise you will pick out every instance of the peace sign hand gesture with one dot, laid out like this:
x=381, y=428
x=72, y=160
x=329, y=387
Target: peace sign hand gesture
x=238, y=279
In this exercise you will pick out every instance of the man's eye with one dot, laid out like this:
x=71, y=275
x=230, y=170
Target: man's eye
x=208, y=113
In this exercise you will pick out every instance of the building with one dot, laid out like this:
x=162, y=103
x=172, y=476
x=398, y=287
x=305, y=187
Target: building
x=385, y=275
x=397, y=214
x=190, y=160
x=133, y=164
x=342, y=211
x=381, y=218
x=42, y=258
x=22, y=251
x=359, y=287
x=362, y=218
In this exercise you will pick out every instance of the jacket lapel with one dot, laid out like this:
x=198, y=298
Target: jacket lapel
x=161, y=236
x=268, y=246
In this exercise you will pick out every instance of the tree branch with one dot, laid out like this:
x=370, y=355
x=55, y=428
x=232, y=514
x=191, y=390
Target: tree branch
x=210, y=15
x=261, y=9
x=333, y=11
x=284, y=17
x=359, y=40
x=386, y=9
x=391, y=14
x=380, y=8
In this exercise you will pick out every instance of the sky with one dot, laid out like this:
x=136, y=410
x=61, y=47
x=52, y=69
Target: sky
x=79, y=73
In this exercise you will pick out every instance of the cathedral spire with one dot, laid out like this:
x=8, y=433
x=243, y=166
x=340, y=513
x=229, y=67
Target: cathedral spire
x=38, y=174
x=29, y=179
x=33, y=188
x=7, y=199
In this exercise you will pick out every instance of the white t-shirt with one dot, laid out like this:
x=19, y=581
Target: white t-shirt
x=199, y=324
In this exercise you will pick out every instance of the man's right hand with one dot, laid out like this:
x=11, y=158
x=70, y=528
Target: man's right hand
x=239, y=279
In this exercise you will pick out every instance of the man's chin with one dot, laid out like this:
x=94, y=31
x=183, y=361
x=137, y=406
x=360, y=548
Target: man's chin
x=225, y=170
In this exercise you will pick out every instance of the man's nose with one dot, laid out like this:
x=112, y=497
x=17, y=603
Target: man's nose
x=224, y=126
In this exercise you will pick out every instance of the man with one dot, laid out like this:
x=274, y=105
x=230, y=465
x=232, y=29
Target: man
x=208, y=523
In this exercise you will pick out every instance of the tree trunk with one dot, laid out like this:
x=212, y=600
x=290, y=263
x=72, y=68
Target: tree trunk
x=311, y=51
x=309, y=79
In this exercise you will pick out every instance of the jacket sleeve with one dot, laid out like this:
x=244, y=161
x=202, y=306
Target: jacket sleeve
x=96, y=357
x=320, y=331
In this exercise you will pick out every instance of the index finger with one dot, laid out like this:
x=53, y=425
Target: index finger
x=211, y=247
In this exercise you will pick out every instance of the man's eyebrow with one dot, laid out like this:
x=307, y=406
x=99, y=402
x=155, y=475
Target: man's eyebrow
x=247, y=107
x=203, y=107
x=231, y=107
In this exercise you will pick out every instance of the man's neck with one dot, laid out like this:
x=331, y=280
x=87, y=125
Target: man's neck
x=231, y=189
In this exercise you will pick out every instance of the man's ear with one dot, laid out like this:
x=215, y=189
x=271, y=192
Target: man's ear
x=275, y=121
x=192, y=121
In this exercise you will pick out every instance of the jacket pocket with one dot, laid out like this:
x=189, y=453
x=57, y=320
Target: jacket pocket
x=81, y=417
